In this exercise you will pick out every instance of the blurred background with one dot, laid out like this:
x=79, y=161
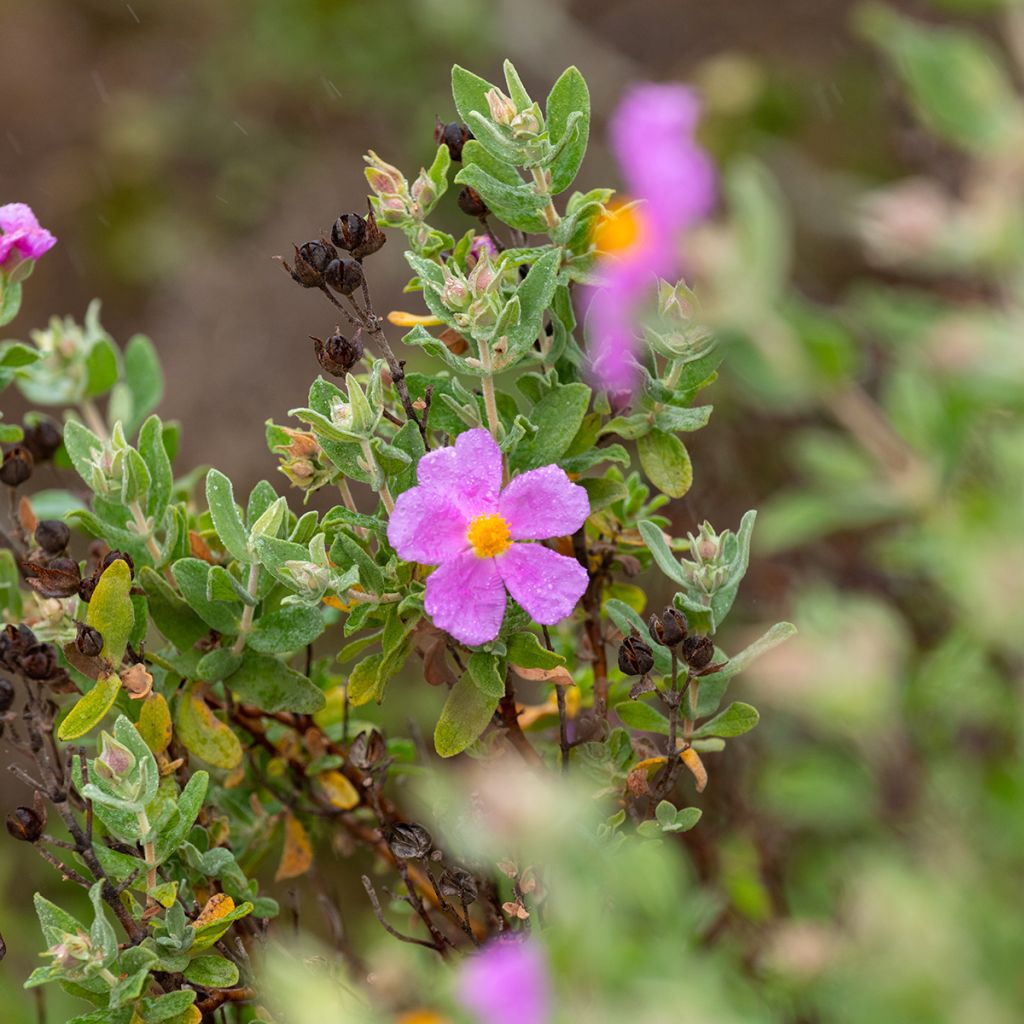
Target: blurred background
x=866, y=844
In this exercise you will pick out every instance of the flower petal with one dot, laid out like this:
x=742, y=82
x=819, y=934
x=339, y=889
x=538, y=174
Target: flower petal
x=506, y=983
x=545, y=583
x=465, y=597
x=427, y=526
x=543, y=503
x=468, y=472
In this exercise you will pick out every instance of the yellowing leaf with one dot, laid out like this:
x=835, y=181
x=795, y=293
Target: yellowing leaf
x=155, y=723
x=203, y=734
x=110, y=610
x=692, y=760
x=219, y=905
x=559, y=675
x=297, y=855
x=338, y=790
x=90, y=709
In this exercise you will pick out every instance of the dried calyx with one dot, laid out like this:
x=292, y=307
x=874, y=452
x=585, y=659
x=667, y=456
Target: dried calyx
x=358, y=235
x=454, y=135
x=338, y=354
x=635, y=657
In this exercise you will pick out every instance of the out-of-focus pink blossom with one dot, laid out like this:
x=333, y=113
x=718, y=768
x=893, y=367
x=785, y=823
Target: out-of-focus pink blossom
x=480, y=246
x=673, y=181
x=19, y=230
x=507, y=983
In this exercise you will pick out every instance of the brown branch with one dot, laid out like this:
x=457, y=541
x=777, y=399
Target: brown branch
x=592, y=624
x=379, y=914
x=513, y=730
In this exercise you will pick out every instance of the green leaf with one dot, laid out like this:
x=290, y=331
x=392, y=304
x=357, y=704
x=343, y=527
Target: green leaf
x=666, y=462
x=638, y=715
x=212, y=972
x=226, y=519
x=465, y=715
x=173, y=617
x=488, y=674
x=735, y=720
x=110, y=610
x=602, y=492
x=272, y=686
x=163, y=1008
x=175, y=831
x=82, y=446
x=90, y=709
x=143, y=376
x=526, y=651
x=557, y=416
x=101, y=368
x=286, y=629
x=154, y=454
x=534, y=295
x=654, y=538
x=712, y=687
x=569, y=96
x=10, y=300
x=469, y=92
x=55, y=923
x=519, y=206
x=218, y=664
x=203, y=734
x=191, y=575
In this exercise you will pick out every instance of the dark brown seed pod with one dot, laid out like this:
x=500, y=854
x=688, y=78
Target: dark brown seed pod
x=115, y=556
x=88, y=640
x=60, y=578
x=635, y=657
x=338, y=354
x=25, y=825
x=14, y=642
x=87, y=587
x=42, y=439
x=344, y=275
x=471, y=202
x=349, y=231
x=698, y=650
x=454, y=135
x=670, y=628
x=311, y=260
x=17, y=466
x=373, y=238
x=458, y=884
x=367, y=750
x=52, y=536
x=408, y=841
x=39, y=661
x=6, y=694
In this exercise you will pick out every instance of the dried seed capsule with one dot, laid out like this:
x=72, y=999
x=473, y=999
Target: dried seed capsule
x=344, y=275
x=311, y=260
x=89, y=640
x=17, y=466
x=373, y=238
x=60, y=578
x=454, y=135
x=635, y=657
x=39, y=661
x=670, y=628
x=338, y=354
x=86, y=587
x=349, y=231
x=471, y=202
x=52, y=536
x=698, y=650
x=42, y=439
x=408, y=841
x=6, y=694
x=14, y=641
x=114, y=556
x=367, y=749
x=458, y=884
x=25, y=825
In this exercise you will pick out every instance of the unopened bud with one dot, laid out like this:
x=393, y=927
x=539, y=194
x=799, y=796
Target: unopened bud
x=501, y=107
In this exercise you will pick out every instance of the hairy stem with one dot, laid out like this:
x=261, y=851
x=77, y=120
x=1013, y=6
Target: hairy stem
x=247, y=612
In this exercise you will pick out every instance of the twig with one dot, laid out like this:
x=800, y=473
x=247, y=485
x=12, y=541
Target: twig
x=379, y=914
x=563, y=718
x=510, y=718
x=592, y=624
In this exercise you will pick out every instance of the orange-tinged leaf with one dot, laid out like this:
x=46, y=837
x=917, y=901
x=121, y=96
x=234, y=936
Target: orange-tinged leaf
x=219, y=905
x=338, y=790
x=692, y=760
x=297, y=855
x=559, y=675
x=203, y=734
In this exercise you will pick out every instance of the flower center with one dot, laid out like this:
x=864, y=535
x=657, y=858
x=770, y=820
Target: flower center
x=489, y=535
x=618, y=228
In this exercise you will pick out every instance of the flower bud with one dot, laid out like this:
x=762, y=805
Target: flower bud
x=6, y=694
x=525, y=124
x=115, y=762
x=635, y=657
x=408, y=841
x=483, y=274
x=338, y=354
x=52, y=536
x=25, y=825
x=39, y=661
x=698, y=650
x=471, y=202
x=42, y=439
x=454, y=135
x=384, y=179
x=72, y=953
x=501, y=107
x=17, y=466
x=88, y=640
x=670, y=628
x=344, y=275
x=458, y=884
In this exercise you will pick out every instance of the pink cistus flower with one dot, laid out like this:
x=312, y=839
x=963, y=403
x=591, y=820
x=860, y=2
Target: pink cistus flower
x=506, y=983
x=20, y=230
x=672, y=181
x=459, y=519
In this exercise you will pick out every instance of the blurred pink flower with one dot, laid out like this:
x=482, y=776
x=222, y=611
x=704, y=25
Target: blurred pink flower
x=481, y=245
x=20, y=230
x=460, y=519
x=673, y=181
x=506, y=983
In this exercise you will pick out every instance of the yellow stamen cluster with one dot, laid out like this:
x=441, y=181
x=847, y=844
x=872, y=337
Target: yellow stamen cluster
x=489, y=535
x=617, y=229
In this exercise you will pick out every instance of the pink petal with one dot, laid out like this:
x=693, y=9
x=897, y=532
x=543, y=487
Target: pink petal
x=465, y=597
x=543, y=503
x=469, y=472
x=22, y=231
x=547, y=584
x=506, y=983
x=426, y=526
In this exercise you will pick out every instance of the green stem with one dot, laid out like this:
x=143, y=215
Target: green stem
x=249, y=610
x=91, y=415
x=542, y=186
x=380, y=485
x=148, y=851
